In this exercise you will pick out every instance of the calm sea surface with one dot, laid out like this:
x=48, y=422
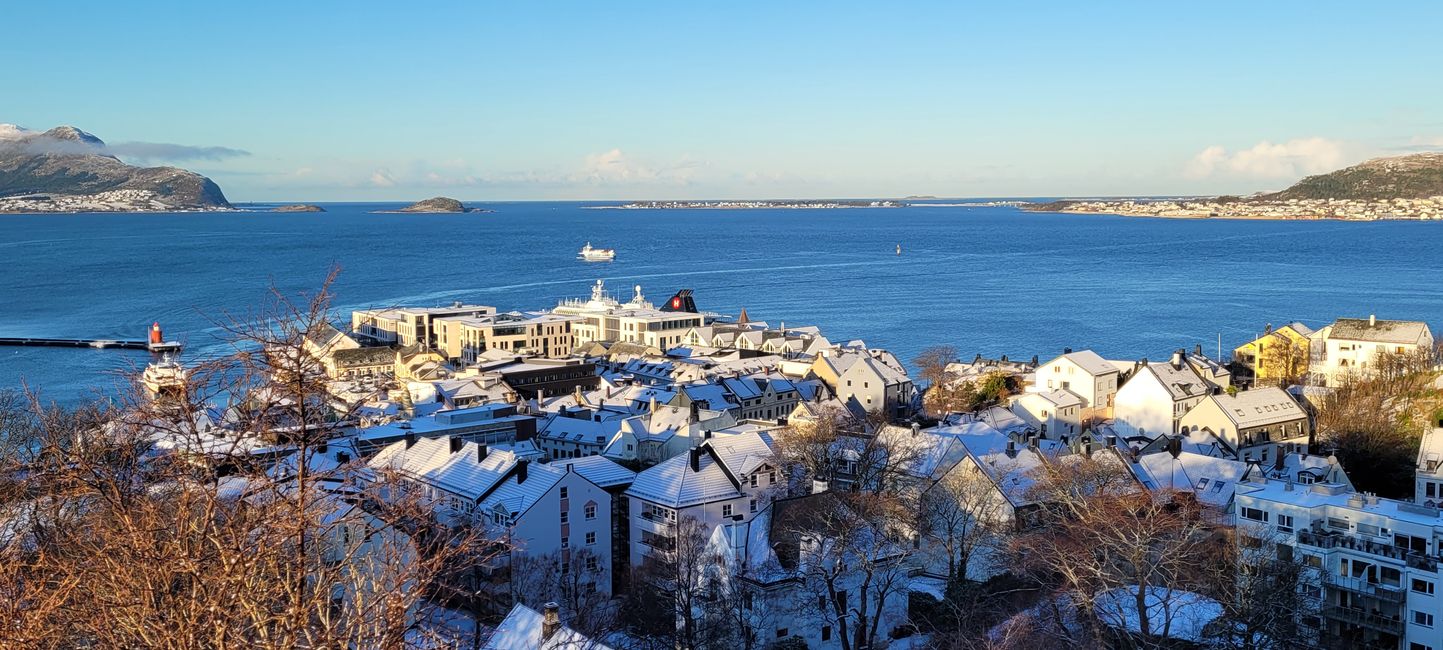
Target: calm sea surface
x=990, y=280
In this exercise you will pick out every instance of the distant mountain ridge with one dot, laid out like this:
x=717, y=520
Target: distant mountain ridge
x=65, y=167
x=1414, y=176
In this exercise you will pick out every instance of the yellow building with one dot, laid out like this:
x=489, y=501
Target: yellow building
x=1278, y=354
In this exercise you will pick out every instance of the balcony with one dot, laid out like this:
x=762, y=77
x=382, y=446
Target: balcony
x=1382, y=623
x=1381, y=591
x=1339, y=540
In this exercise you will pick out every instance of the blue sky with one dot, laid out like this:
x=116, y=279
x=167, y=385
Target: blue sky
x=492, y=101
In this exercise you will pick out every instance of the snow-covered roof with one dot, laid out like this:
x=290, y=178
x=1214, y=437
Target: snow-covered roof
x=1258, y=407
x=1089, y=361
x=1182, y=383
x=522, y=630
x=1379, y=331
x=599, y=470
x=1213, y=481
x=718, y=473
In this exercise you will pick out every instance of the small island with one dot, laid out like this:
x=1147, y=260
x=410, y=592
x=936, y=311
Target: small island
x=435, y=205
x=299, y=207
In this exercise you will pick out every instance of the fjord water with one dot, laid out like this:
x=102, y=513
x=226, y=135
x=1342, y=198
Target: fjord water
x=989, y=280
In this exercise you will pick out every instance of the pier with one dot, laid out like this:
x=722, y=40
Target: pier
x=157, y=342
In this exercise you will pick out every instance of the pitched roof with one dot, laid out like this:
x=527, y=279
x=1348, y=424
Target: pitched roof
x=522, y=628
x=1182, y=383
x=675, y=484
x=1258, y=407
x=1379, y=331
x=1090, y=362
x=599, y=470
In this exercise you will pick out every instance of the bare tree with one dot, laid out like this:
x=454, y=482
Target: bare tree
x=212, y=514
x=849, y=561
x=669, y=588
x=1096, y=533
x=961, y=516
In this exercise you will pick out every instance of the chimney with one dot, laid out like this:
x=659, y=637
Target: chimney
x=1174, y=446
x=457, y=442
x=521, y=466
x=1177, y=358
x=343, y=457
x=481, y=452
x=1197, y=350
x=1067, y=350
x=1111, y=440
x=1034, y=361
x=1278, y=460
x=410, y=439
x=653, y=403
x=819, y=486
x=916, y=428
x=695, y=413
x=550, y=620
x=322, y=448
x=695, y=459
x=1012, y=448
x=1372, y=320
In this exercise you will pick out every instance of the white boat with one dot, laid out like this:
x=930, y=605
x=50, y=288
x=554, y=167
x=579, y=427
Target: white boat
x=596, y=254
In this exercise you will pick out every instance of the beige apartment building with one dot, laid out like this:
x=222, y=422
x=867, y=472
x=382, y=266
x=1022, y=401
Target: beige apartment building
x=409, y=325
x=540, y=334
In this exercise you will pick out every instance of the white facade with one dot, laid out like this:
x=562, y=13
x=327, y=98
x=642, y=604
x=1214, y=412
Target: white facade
x=605, y=319
x=1055, y=413
x=720, y=480
x=1376, y=560
x=1156, y=397
x=1351, y=346
x=1082, y=373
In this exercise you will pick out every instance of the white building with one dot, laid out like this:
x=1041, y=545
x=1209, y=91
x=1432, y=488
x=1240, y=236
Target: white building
x=720, y=480
x=1428, y=476
x=1156, y=396
x=409, y=325
x=775, y=560
x=1376, y=559
x=1055, y=413
x=1083, y=373
x=605, y=319
x=1351, y=346
x=543, y=509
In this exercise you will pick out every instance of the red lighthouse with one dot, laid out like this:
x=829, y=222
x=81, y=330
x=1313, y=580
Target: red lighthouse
x=156, y=337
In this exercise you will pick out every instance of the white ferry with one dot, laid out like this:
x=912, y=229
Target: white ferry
x=596, y=254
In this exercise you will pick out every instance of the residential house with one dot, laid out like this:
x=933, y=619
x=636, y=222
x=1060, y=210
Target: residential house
x=1351, y=346
x=1085, y=374
x=1157, y=395
x=719, y=480
x=1258, y=424
x=1056, y=413
x=1277, y=354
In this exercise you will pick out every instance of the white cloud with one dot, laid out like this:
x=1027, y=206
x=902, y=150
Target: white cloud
x=382, y=178
x=1291, y=159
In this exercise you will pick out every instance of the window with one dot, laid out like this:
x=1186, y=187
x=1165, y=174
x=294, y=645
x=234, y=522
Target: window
x=752, y=506
x=591, y=563
x=826, y=633
x=1202, y=484
x=565, y=542
x=1418, y=646
x=1255, y=514
x=727, y=510
x=590, y=511
x=754, y=481
x=565, y=517
x=563, y=493
x=1285, y=523
x=590, y=538
x=781, y=633
x=1422, y=618
x=1422, y=586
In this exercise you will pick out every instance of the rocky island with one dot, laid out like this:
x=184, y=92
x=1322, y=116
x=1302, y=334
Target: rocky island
x=66, y=169
x=1398, y=187
x=435, y=205
x=299, y=207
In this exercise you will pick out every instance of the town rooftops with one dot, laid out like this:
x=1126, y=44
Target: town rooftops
x=599, y=470
x=1213, y=481
x=1380, y=331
